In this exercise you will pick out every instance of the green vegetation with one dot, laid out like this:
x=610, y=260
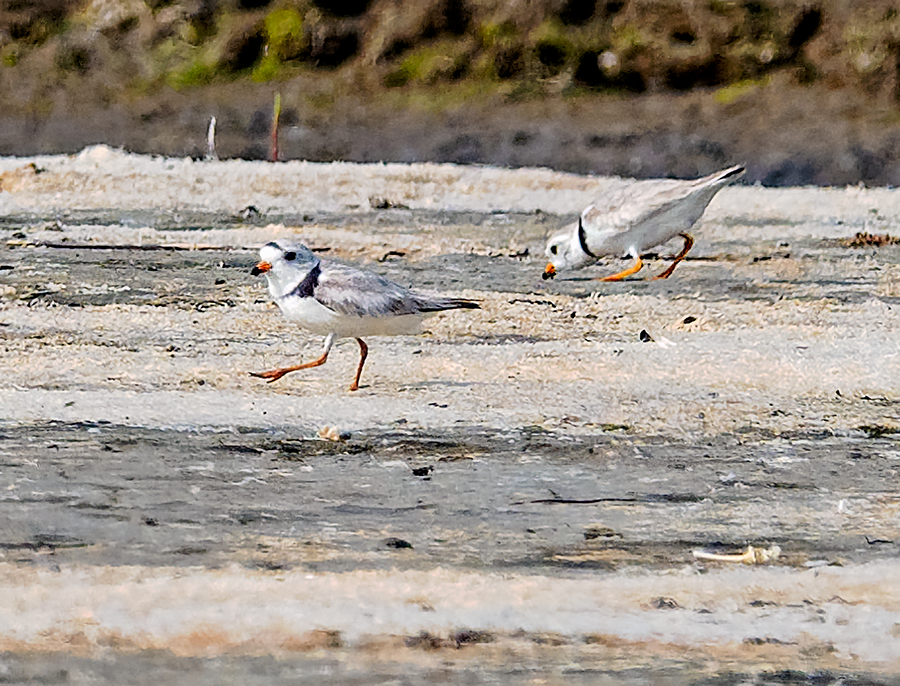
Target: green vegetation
x=9, y=55
x=628, y=40
x=480, y=47
x=267, y=69
x=439, y=62
x=197, y=73
x=492, y=34
x=284, y=34
x=732, y=92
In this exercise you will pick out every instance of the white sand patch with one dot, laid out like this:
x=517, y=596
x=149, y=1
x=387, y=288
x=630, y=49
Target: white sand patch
x=193, y=611
x=100, y=177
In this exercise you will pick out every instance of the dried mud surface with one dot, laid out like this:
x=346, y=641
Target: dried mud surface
x=514, y=497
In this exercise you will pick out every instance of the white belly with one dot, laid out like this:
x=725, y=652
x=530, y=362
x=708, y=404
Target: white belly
x=639, y=238
x=315, y=317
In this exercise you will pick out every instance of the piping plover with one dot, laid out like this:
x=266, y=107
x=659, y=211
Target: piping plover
x=338, y=301
x=633, y=219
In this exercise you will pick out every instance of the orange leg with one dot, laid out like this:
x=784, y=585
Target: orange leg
x=633, y=269
x=688, y=244
x=363, y=353
x=275, y=374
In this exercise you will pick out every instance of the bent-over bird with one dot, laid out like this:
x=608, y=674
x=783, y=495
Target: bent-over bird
x=633, y=219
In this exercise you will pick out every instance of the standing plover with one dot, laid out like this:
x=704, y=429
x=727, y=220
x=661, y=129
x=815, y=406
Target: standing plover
x=338, y=301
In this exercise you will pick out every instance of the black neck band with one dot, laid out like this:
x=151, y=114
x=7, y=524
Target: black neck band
x=307, y=287
x=582, y=240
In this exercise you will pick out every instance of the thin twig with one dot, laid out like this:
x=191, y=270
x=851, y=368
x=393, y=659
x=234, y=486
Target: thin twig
x=275, y=117
x=751, y=556
x=110, y=246
x=211, y=140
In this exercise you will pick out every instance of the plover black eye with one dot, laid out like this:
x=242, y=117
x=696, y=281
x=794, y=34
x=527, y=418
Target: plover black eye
x=290, y=256
x=553, y=249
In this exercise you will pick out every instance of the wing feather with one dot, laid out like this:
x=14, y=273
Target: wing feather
x=358, y=293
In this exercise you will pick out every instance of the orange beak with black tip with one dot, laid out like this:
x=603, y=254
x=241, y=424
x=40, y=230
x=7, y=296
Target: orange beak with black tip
x=261, y=268
x=549, y=271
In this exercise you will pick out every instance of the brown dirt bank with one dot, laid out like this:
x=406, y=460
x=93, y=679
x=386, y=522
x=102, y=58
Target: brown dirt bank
x=801, y=93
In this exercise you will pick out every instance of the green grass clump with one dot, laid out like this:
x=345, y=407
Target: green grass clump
x=491, y=34
x=427, y=65
x=197, y=73
x=267, y=69
x=284, y=33
x=629, y=40
x=728, y=94
x=9, y=55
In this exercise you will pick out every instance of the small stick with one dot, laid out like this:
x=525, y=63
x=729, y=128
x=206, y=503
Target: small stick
x=751, y=556
x=211, y=140
x=171, y=247
x=276, y=115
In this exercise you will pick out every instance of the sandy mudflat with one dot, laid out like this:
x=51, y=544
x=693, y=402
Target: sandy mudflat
x=163, y=511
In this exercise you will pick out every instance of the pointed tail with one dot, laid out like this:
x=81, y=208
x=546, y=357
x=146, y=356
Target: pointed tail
x=441, y=304
x=730, y=174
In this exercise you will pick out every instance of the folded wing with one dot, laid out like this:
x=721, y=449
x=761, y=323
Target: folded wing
x=358, y=293
x=661, y=205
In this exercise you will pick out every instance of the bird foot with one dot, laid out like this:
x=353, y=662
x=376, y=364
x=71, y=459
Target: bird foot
x=270, y=376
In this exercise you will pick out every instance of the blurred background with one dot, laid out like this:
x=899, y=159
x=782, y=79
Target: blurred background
x=802, y=93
